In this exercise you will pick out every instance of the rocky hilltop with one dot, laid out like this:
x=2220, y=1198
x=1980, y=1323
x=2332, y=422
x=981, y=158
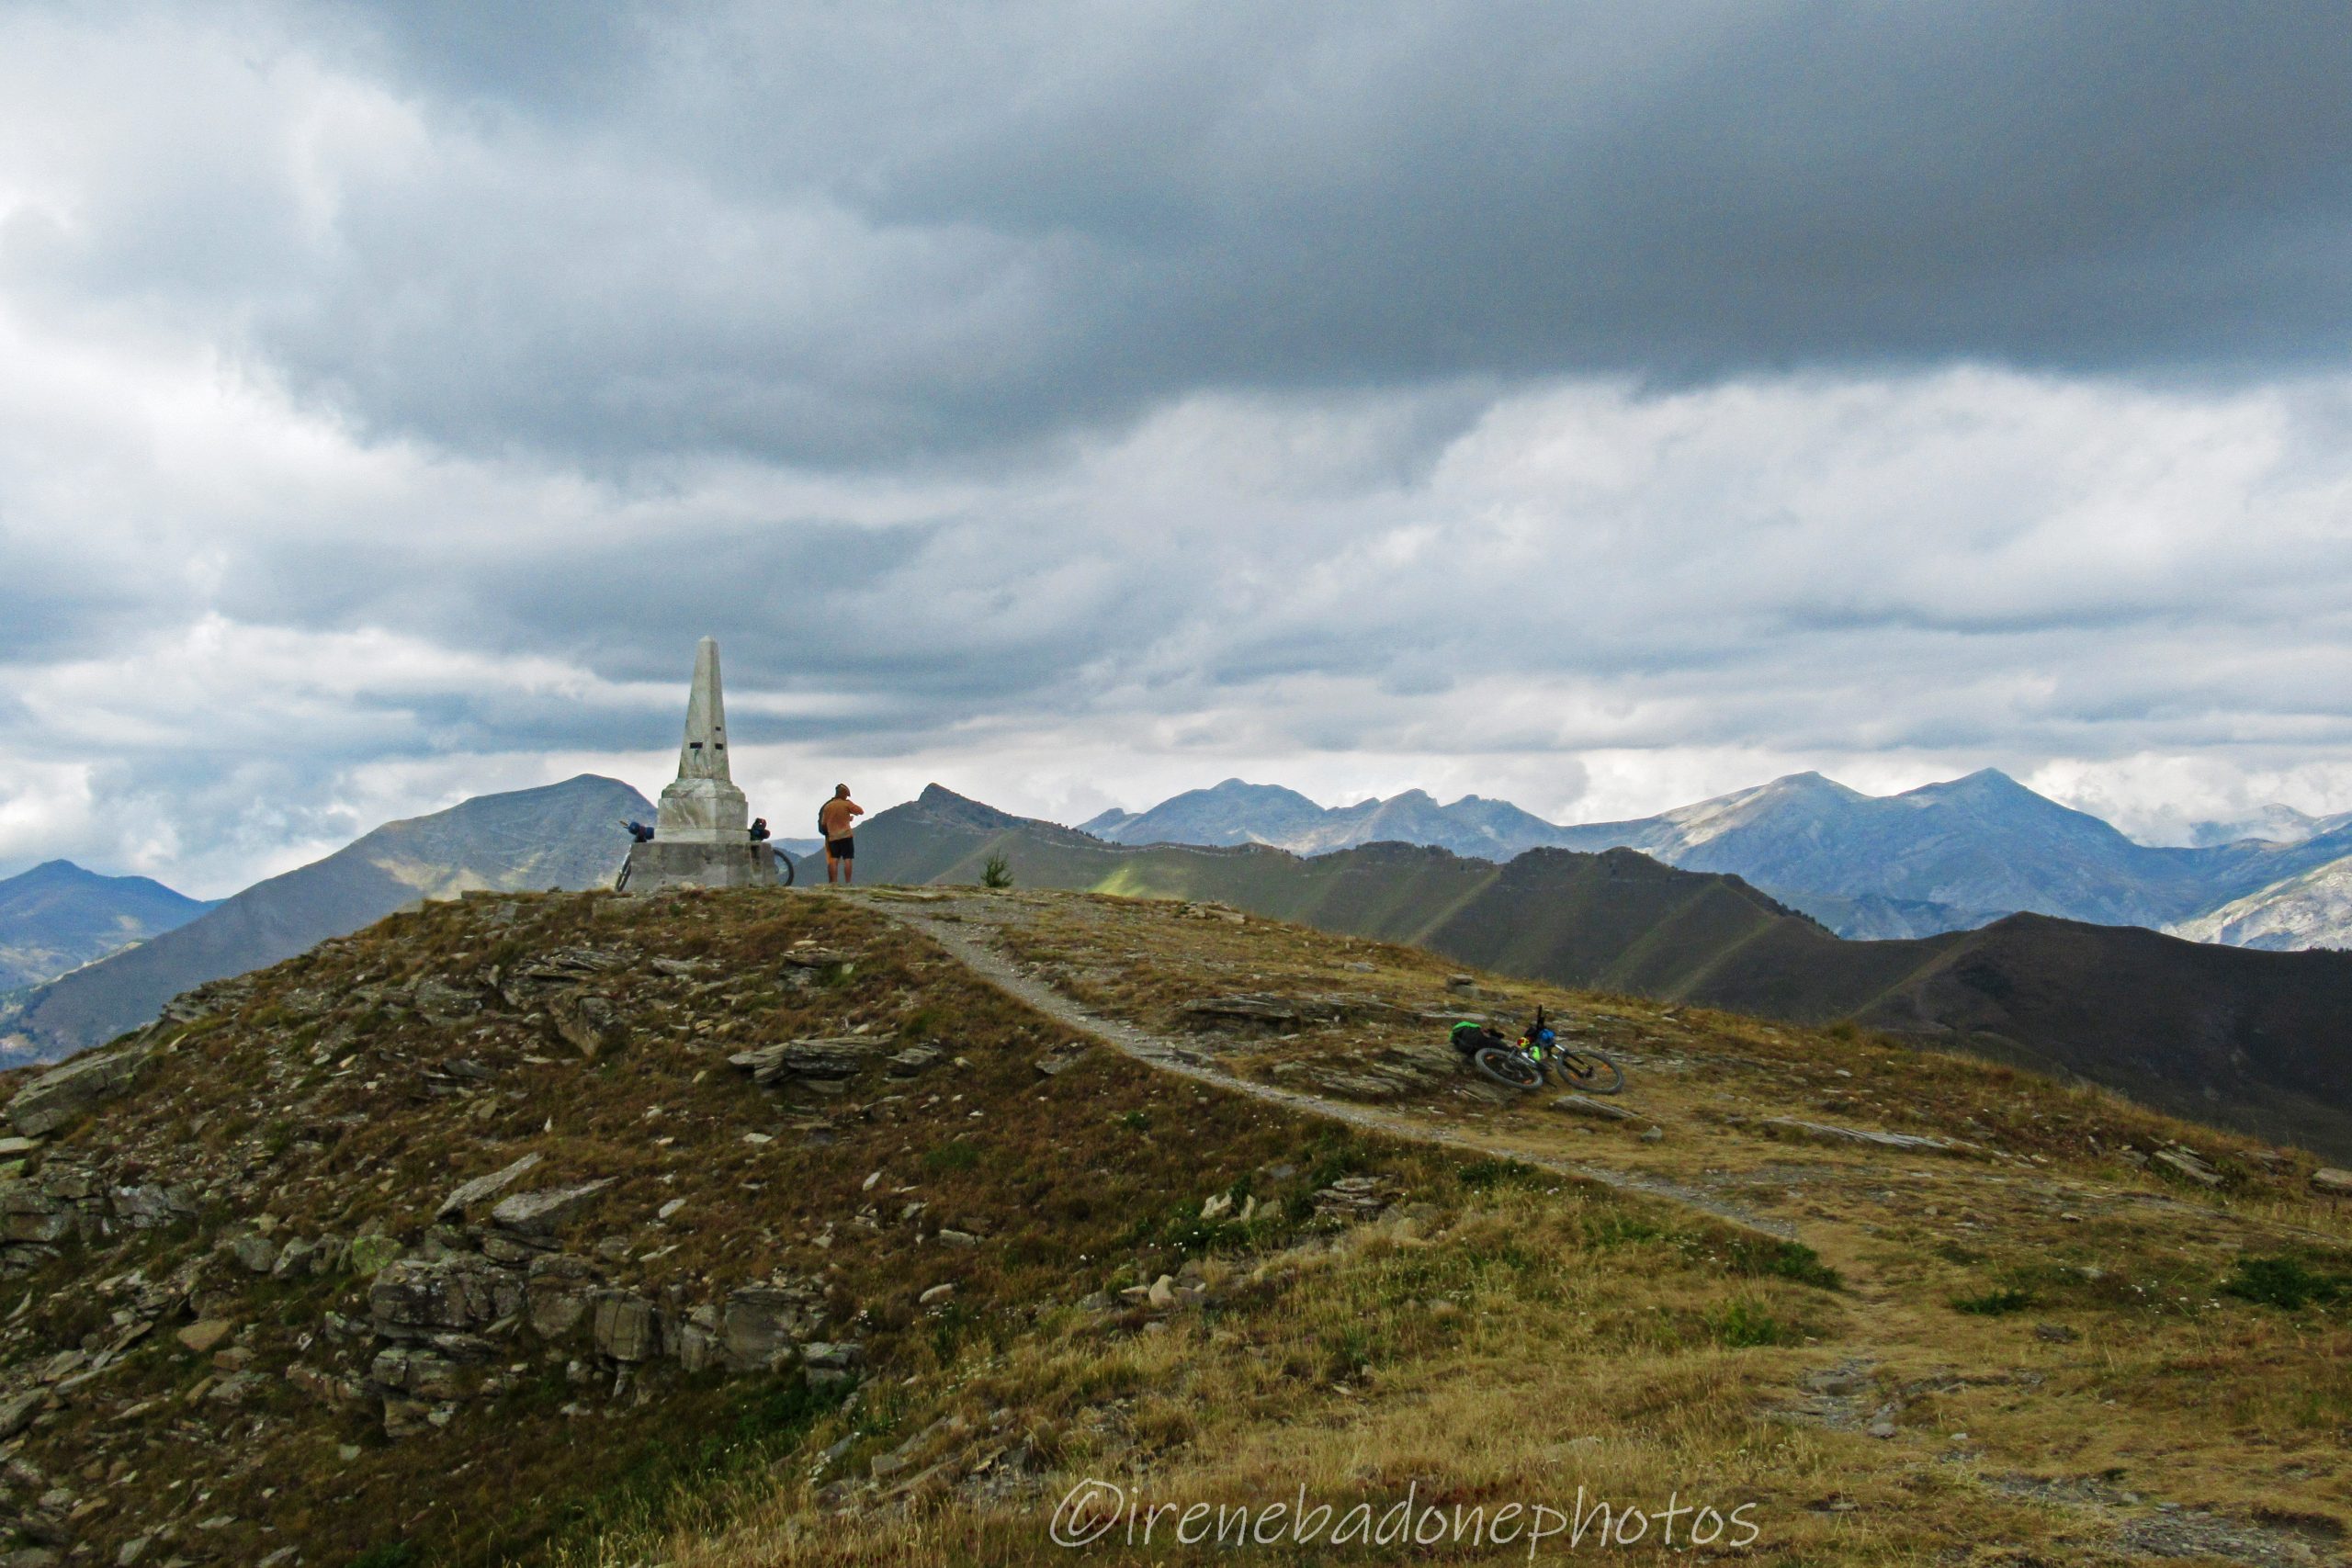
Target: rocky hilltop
x=794, y=1226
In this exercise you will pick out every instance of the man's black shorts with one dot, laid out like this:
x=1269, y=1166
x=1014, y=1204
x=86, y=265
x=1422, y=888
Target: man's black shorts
x=840, y=849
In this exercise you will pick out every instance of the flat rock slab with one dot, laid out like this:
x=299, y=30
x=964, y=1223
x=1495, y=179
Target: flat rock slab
x=2183, y=1163
x=839, y=1056
x=481, y=1187
x=57, y=1097
x=537, y=1215
x=205, y=1334
x=1918, y=1143
x=2337, y=1182
x=1600, y=1109
x=817, y=958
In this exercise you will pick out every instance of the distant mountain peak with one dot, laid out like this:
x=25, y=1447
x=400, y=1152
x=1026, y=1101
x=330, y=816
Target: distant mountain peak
x=64, y=873
x=1986, y=781
x=60, y=915
x=1228, y=787
x=1807, y=783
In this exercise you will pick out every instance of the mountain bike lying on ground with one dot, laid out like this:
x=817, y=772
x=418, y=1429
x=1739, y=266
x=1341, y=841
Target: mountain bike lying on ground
x=1522, y=1064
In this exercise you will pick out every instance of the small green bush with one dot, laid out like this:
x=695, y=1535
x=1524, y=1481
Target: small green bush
x=954, y=1154
x=1783, y=1260
x=1744, y=1325
x=1997, y=1303
x=2280, y=1282
x=1480, y=1176
x=387, y=1554
x=996, y=872
x=1619, y=1229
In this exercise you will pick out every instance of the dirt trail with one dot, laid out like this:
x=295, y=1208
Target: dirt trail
x=952, y=924
x=1900, y=1377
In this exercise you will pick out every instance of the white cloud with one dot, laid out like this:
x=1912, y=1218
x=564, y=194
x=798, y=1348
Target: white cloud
x=393, y=439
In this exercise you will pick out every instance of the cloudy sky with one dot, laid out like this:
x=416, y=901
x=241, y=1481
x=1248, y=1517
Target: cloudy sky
x=1600, y=407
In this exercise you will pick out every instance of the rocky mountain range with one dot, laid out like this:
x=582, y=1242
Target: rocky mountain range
x=2311, y=909
x=1239, y=813
x=1948, y=856
x=58, y=917
x=562, y=836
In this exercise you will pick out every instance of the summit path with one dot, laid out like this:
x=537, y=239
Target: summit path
x=1963, y=1206
x=971, y=930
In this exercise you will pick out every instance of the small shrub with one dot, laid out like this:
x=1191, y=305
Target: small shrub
x=1619, y=1229
x=387, y=1554
x=1997, y=1303
x=1783, y=1260
x=1347, y=1349
x=1137, y=1120
x=1481, y=1176
x=954, y=1154
x=996, y=872
x=1744, y=1325
x=2280, y=1282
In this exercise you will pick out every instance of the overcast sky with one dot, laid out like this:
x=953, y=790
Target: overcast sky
x=1598, y=407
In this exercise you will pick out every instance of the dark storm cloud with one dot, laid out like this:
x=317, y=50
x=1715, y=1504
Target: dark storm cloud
x=389, y=397
x=829, y=233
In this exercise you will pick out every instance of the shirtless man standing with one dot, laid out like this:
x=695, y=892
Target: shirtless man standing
x=836, y=820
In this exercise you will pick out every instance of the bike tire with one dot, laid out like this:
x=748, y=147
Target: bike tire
x=1507, y=1067
x=784, y=869
x=1599, y=1074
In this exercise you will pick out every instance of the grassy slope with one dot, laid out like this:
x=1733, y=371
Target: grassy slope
x=2050, y=1326
x=1500, y=1334
x=330, y=1117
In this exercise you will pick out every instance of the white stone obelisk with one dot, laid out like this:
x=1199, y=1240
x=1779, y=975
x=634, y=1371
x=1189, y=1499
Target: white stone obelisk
x=703, y=805
x=702, y=834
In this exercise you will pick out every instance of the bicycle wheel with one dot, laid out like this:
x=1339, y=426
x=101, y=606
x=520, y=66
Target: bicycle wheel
x=784, y=869
x=1507, y=1067
x=1587, y=1070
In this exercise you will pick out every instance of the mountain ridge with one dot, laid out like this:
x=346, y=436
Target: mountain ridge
x=562, y=835
x=2260, y=1041
x=1951, y=855
x=58, y=916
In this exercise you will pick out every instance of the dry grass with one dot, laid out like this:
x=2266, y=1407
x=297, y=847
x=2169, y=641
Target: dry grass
x=2046, y=1323
x=329, y=1115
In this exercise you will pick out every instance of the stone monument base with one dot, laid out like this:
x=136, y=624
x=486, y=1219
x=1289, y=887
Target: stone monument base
x=667, y=862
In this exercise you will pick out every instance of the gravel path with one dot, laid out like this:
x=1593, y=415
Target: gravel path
x=955, y=932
